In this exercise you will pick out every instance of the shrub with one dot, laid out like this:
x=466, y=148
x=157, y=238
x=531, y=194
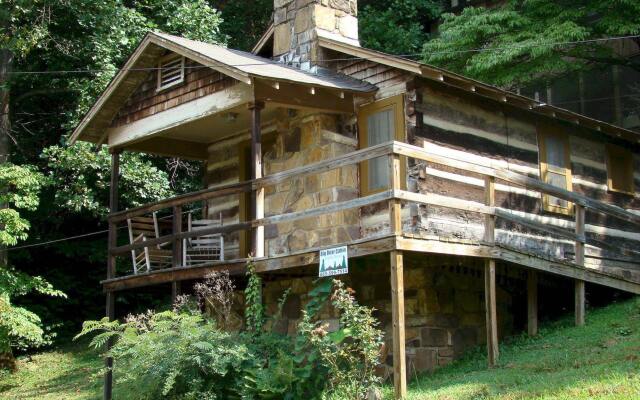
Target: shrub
x=184, y=354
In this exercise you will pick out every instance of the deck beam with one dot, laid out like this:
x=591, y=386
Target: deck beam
x=397, y=311
x=257, y=198
x=491, y=312
x=532, y=302
x=111, y=268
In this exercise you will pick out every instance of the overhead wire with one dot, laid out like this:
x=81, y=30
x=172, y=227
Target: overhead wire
x=369, y=58
x=85, y=71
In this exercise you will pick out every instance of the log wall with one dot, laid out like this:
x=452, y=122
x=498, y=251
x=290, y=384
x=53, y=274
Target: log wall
x=488, y=133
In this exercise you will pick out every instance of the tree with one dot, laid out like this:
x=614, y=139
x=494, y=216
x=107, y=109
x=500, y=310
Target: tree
x=19, y=327
x=516, y=44
x=71, y=35
x=396, y=26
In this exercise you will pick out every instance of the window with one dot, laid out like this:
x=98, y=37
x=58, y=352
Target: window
x=379, y=122
x=619, y=169
x=170, y=71
x=555, y=166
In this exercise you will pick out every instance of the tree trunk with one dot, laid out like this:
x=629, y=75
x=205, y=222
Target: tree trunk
x=7, y=361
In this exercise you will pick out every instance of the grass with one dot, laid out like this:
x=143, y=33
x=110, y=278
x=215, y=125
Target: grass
x=598, y=361
x=69, y=373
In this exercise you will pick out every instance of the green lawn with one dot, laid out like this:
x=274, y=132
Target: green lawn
x=598, y=361
x=69, y=373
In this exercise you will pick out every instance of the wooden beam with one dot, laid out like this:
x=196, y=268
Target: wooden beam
x=397, y=311
x=356, y=248
x=170, y=275
x=491, y=313
x=489, y=201
x=111, y=268
x=176, y=259
x=293, y=95
x=257, y=198
x=145, y=128
x=168, y=147
x=292, y=216
x=176, y=288
x=240, y=187
x=532, y=302
x=515, y=178
x=395, y=205
x=579, y=302
x=579, y=260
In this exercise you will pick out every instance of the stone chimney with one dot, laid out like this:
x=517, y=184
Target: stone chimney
x=297, y=24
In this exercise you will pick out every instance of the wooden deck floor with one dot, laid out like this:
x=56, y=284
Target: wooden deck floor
x=380, y=245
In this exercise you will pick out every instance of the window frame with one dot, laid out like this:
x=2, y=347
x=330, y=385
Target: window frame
x=545, y=131
x=611, y=148
x=166, y=60
x=396, y=103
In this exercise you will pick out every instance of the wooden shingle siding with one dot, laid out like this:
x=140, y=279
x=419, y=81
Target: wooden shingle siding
x=372, y=72
x=199, y=81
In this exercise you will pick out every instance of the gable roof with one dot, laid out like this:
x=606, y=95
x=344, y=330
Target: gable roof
x=237, y=64
x=476, y=87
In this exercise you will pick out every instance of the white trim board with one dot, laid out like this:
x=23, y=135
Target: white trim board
x=214, y=103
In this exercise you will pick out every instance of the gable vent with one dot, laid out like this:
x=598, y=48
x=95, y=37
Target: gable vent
x=170, y=72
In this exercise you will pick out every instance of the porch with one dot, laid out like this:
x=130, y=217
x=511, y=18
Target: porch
x=396, y=231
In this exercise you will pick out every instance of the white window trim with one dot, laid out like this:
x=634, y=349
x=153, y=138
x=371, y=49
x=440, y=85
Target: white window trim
x=166, y=60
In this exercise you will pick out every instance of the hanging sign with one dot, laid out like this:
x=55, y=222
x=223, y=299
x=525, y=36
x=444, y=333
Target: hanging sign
x=333, y=261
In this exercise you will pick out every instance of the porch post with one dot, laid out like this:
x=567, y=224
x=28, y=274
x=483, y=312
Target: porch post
x=257, y=206
x=490, y=305
x=111, y=264
x=579, y=259
x=397, y=313
x=532, y=302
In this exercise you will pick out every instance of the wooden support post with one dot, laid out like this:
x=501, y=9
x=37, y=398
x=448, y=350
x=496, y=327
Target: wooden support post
x=397, y=312
x=395, y=206
x=491, y=313
x=257, y=245
x=579, y=260
x=111, y=266
x=490, y=200
x=175, y=291
x=176, y=259
x=532, y=302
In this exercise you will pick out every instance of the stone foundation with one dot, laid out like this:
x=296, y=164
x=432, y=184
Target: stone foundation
x=444, y=306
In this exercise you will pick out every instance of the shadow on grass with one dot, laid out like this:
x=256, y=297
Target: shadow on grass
x=66, y=373
x=562, y=361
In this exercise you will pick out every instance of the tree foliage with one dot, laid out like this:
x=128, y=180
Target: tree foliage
x=396, y=26
x=73, y=181
x=517, y=43
x=19, y=327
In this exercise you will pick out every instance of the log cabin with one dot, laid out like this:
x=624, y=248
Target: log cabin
x=466, y=210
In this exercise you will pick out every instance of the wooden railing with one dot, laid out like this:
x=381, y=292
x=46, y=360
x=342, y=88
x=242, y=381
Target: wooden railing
x=395, y=196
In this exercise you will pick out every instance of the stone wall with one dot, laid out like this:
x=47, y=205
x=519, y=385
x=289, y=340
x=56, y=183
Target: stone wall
x=444, y=306
x=304, y=139
x=296, y=139
x=296, y=24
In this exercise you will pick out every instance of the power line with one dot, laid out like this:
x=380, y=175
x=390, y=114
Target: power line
x=26, y=246
x=371, y=58
x=40, y=244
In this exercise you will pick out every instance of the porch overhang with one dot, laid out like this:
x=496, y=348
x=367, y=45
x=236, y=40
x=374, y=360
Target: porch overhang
x=256, y=79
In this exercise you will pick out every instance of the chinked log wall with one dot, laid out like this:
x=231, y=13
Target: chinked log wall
x=450, y=122
x=481, y=248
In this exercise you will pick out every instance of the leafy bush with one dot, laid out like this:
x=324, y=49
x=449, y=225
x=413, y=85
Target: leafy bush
x=182, y=353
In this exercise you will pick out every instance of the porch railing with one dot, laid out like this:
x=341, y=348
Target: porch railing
x=394, y=196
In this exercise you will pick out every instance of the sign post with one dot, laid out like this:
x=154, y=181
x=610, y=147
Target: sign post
x=334, y=261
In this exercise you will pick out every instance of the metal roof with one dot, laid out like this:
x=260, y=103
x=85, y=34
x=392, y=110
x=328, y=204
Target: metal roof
x=237, y=64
